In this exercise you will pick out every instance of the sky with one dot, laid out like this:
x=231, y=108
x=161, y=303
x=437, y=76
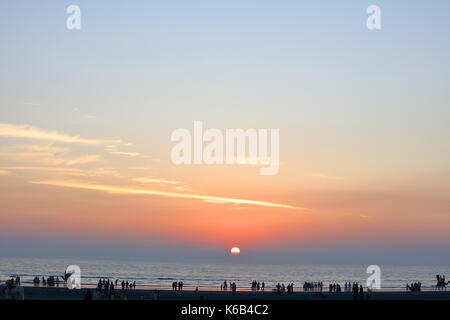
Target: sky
x=86, y=118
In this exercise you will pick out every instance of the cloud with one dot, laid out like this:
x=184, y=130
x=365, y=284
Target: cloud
x=47, y=169
x=29, y=132
x=66, y=171
x=131, y=190
x=113, y=149
x=82, y=160
x=5, y=173
x=48, y=158
x=46, y=148
x=157, y=181
x=131, y=154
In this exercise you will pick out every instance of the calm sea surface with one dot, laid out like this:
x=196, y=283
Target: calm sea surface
x=148, y=274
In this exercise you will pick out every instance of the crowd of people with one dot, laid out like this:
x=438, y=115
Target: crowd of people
x=441, y=283
x=13, y=282
x=335, y=287
x=232, y=285
x=106, y=286
x=358, y=291
x=313, y=286
x=257, y=286
x=47, y=282
x=414, y=287
x=281, y=288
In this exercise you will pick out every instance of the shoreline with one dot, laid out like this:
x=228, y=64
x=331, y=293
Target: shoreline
x=62, y=293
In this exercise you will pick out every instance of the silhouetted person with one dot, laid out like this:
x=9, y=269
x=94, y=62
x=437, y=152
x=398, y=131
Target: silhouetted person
x=355, y=291
x=111, y=290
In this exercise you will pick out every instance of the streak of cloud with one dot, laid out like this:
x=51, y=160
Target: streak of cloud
x=47, y=169
x=131, y=190
x=124, y=153
x=151, y=180
x=29, y=132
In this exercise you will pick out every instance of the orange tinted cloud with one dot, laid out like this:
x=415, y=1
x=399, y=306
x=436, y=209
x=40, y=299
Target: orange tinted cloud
x=131, y=190
x=29, y=132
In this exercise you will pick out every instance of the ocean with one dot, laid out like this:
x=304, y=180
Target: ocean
x=210, y=276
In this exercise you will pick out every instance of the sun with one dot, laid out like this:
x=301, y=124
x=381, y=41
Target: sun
x=235, y=251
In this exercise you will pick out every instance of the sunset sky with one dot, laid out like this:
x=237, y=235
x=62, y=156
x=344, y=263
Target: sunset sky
x=86, y=118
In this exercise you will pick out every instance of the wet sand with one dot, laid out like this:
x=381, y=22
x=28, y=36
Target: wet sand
x=61, y=293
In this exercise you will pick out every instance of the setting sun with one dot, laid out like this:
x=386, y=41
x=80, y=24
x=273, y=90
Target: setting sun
x=235, y=251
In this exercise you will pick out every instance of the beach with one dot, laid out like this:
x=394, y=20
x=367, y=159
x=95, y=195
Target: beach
x=62, y=293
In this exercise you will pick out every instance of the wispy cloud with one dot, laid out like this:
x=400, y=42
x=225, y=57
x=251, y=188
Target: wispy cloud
x=29, y=132
x=124, y=153
x=131, y=190
x=82, y=160
x=65, y=171
x=46, y=169
x=45, y=148
x=156, y=181
x=114, y=149
x=48, y=158
x=5, y=173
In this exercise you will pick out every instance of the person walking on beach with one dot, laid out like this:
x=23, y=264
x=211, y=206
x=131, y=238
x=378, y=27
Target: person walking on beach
x=355, y=291
x=99, y=285
x=111, y=290
x=361, y=292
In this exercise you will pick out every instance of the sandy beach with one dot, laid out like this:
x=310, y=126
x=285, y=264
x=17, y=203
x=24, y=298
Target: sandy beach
x=46, y=293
